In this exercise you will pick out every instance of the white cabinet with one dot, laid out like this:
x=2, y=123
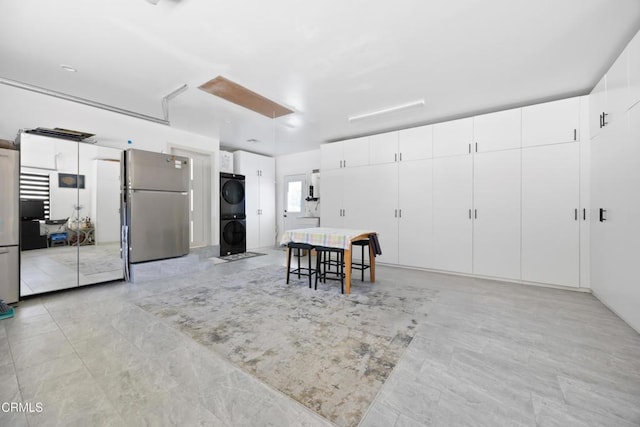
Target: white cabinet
x=344, y=197
x=634, y=70
x=452, y=224
x=615, y=250
x=344, y=154
x=453, y=138
x=497, y=131
x=383, y=148
x=260, y=200
x=597, y=106
x=617, y=90
x=332, y=203
x=415, y=143
x=496, y=227
x=405, y=145
x=381, y=208
x=551, y=123
x=550, y=214
x=415, y=222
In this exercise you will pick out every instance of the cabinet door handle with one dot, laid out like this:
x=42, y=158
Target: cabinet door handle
x=400, y=156
x=476, y=147
x=399, y=213
x=475, y=213
x=604, y=119
x=584, y=214
x=395, y=213
x=469, y=148
x=575, y=214
x=575, y=134
x=344, y=163
x=395, y=157
x=469, y=213
x=603, y=215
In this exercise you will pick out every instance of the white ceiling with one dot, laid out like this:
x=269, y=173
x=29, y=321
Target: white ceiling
x=327, y=60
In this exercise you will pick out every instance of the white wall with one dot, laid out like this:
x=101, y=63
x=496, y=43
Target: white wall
x=295, y=164
x=22, y=109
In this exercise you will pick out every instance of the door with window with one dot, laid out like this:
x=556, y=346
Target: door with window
x=199, y=196
x=294, y=195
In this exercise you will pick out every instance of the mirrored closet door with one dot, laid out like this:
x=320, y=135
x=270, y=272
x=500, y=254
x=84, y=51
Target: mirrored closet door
x=69, y=201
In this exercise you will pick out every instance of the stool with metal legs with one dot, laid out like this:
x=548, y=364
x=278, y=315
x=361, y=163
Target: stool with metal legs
x=300, y=271
x=323, y=265
x=361, y=265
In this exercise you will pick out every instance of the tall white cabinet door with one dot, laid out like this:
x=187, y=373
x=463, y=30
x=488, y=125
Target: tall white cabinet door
x=496, y=228
x=453, y=138
x=356, y=192
x=615, y=240
x=617, y=90
x=497, y=131
x=252, y=204
x=551, y=123
x=550, y=226
x=383, y=148
x=267, y=208
x=415, y=225
x=415, y=143
x=382, y=209
x=331, y=156
x=452, y=224
x=355, y=152
x=331, y=201
x=597, y=106
x=634, y=70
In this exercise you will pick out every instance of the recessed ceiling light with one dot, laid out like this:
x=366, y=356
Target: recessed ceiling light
x=68, y=68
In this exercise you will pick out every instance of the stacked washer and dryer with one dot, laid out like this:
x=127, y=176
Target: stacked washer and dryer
x=233, y=230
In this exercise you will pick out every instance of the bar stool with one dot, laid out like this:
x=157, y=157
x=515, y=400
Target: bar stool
x=300, y=270
x=322, y=273
x=361, y=265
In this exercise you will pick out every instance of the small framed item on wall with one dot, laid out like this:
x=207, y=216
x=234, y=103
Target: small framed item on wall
x=69, y=180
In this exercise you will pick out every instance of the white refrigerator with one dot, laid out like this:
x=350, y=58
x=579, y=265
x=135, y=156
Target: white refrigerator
x=9, y=225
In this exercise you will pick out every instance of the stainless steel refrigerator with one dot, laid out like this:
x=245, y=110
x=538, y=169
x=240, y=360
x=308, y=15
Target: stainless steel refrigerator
x=9, y=225
x=155, y=206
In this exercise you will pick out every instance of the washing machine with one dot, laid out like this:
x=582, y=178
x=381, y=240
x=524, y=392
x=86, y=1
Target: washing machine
x=233, y=236
x=232, y=196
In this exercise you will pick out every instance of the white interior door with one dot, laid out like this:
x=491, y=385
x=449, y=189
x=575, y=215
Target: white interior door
x=199, y=196
x=294, y=191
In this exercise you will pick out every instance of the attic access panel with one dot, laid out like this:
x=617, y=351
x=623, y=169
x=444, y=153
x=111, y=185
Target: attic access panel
x=240, y=95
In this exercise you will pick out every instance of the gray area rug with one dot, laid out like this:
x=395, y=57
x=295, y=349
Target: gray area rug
x=236, y=257
x=330, y=352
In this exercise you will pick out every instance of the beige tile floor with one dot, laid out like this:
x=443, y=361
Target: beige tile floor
x=490, y=354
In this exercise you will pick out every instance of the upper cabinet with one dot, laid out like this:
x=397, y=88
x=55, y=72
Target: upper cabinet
x=551, y=123
x=617, y=93
x=345, y=154
x=597, y=105
x=415, y=143
x=383, y=148
x=497, y=131
x=453, y=138
x=633, y=52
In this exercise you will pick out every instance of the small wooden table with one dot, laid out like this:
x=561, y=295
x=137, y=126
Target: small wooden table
x=334, y=238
